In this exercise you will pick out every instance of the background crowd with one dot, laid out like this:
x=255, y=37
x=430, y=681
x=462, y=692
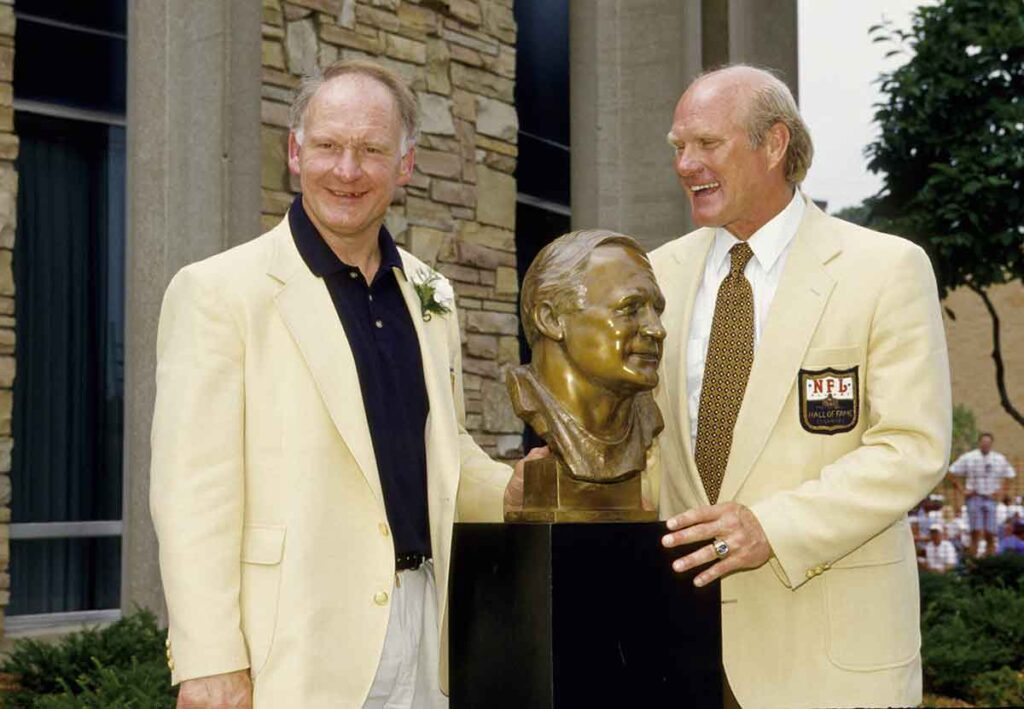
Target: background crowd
x=977, y=513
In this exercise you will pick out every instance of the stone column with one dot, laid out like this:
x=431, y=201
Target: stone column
x=628, y=66
x=194, y=190
x=759, y=33
x=765, y=34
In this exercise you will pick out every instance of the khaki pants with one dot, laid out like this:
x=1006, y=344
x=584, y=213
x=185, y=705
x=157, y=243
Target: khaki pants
x=407, y=676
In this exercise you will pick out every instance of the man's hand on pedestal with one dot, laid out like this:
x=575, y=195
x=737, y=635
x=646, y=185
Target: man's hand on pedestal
x=746, y=546
x=514, y=489
x=231, y=690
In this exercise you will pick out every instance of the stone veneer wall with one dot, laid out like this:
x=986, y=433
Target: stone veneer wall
x=458, y=212
x=8, y=210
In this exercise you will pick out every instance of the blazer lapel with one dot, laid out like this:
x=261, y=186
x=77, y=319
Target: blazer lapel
x=690, y=272
x=306, y=308
x=441, y=436
x=436, y=373
x=796, y=309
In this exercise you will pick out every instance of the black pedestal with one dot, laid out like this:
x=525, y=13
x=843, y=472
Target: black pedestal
x=578, y=615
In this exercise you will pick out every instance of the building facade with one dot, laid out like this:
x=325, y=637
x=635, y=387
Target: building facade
x=199, y=137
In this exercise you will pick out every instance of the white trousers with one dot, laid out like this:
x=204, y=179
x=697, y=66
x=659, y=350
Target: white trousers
x=407, y=676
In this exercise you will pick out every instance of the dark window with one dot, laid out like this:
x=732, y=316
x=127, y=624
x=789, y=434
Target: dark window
x=99, y=15
x=64, y=575
x=71, y=53
x=542, y=103
x=66, y=476
x=542, y=98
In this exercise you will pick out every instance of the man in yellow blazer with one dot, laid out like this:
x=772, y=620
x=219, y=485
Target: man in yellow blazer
x=807, y=402
x=309, y=453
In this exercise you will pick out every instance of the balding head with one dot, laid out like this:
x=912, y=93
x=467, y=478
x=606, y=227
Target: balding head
x=763, y=100
x=741, y=148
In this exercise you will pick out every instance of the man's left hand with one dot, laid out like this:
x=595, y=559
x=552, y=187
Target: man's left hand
x=730, y=522
x=514, y=489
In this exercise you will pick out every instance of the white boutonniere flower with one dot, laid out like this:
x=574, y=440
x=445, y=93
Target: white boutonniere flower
x=435, y=292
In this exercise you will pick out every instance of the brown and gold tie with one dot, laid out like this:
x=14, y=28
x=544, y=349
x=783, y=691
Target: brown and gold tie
x=726, y=370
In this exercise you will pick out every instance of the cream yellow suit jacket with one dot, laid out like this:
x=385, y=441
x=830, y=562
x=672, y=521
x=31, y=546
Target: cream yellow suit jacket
x=275, y=550
x=833, y=619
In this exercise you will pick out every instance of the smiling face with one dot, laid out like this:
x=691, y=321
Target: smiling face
x=615, y=340
x=729, y=183
x=350, y=160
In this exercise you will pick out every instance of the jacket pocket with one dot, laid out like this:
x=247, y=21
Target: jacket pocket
x=262, y=553
x=872, y=604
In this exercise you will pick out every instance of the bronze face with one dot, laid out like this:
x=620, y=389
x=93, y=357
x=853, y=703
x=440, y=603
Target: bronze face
x=615, y=340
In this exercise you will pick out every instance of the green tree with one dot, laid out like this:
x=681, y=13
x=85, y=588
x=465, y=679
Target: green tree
x=965, y=431
x=951, y=147
x=860, y=214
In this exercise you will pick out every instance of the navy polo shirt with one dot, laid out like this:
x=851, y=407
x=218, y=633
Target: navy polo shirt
x=383, y=339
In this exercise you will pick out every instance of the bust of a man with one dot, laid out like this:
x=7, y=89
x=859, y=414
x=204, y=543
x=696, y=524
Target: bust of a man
x=591, y=313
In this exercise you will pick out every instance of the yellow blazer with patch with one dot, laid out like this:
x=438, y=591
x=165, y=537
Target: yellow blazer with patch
x=833, y=619
x=275, y=550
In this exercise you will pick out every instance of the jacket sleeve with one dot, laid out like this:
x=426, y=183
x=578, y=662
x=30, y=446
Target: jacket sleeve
x=196, y=483
x=904, y=450
x=482, y=481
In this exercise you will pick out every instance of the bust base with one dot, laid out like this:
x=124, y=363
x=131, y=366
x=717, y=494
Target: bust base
x=551, y=494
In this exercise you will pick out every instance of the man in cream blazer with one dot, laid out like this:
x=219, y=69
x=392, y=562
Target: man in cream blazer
x=843, y=426
x=276, y=549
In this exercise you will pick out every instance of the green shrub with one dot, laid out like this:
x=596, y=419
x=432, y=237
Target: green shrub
x=1001, y=570
x=965, y=431
x=1000, y=688
x=972, y=630
x=139, y=686
x=121, y=665
x=935, y=585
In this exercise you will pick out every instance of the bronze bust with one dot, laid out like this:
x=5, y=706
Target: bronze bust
x=591, y=311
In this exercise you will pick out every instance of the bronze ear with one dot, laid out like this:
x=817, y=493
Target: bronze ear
x=548, y=321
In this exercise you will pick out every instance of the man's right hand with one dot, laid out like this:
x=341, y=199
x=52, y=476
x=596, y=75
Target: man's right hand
x=231, y=690
x=514, y=489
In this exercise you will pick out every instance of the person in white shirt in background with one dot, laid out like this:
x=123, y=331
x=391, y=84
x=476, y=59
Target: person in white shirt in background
x=1002, y=510
x=940, y=556
x=986, y=473
x=955, y=536
x=1016, y=509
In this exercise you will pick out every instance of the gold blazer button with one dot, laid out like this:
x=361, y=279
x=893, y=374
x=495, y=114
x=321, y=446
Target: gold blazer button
x=380, y=598
x=383, y=529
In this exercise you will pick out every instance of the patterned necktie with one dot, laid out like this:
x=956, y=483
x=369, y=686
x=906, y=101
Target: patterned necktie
x=726, y=369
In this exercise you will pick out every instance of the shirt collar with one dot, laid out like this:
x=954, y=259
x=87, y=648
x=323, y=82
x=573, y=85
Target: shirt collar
x=318, y=255
x=769, y=241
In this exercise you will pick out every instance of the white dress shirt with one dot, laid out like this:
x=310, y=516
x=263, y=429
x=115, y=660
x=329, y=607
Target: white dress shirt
x=770, y=245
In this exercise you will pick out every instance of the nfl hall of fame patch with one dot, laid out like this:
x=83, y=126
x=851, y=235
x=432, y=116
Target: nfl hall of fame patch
x=829, y=400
